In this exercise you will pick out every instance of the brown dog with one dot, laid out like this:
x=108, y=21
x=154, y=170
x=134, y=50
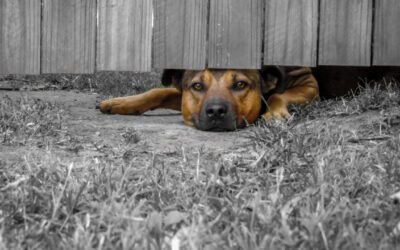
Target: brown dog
x=216, y=99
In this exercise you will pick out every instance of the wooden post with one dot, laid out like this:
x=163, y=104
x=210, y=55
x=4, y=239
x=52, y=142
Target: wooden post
x=235, y=34
x=68, y=43
x=387, y=33
x=124, y=35
x=345, y=32
x=291, y=32
x=20, y=36
x=180, y=33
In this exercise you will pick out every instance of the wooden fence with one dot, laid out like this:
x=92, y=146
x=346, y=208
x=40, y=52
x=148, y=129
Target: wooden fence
x=84, y=36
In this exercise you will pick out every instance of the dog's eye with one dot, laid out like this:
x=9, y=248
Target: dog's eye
x=198, y=86
x=239, y=85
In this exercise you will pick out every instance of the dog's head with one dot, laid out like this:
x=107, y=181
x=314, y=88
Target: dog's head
x=223, y=99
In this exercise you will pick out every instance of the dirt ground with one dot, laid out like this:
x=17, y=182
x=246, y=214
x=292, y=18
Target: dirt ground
x=159, y=131
x=89, y=133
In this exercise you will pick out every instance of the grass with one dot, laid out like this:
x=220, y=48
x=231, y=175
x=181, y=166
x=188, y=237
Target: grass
x=320, y=181
x=22, y=119
x=123, y=83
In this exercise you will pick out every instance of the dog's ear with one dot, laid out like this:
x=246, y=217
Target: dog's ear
x=172, y=77
x=274, y=78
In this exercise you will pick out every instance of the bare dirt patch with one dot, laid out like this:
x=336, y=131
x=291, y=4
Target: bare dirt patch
x=87, y=132
x=159, y=131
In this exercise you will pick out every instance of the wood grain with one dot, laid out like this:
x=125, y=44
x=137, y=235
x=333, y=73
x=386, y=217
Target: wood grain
x=124, y=35
x=387, y=33
x=68, y=42
x=180, y=33
x=20, y=36
x=345, y=32
x=235, y=34
x=291, y=32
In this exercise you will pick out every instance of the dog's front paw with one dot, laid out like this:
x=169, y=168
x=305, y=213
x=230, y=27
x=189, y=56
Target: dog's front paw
x=278, y=114
x=105, y=107
x=121, y=105
x=111, y=106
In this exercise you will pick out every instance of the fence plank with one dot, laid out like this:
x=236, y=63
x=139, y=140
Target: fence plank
x=291, y=32
x=68, y=43
x=345, y=32
x=387, y=33
x=180, y=33
x=20, y=36
x=235, y=34
x=124, y=35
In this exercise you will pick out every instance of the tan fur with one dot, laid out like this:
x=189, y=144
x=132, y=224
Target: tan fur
x=302, y=88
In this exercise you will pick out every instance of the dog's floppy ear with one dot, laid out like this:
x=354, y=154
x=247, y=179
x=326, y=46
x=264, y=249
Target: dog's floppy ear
x=172, y=77
x=274, y=78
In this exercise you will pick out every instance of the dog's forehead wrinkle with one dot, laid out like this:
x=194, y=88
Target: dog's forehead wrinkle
x=234, y=77
x=218, y=73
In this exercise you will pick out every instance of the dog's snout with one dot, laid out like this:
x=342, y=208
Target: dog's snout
x=216, y=115
x=216, y=110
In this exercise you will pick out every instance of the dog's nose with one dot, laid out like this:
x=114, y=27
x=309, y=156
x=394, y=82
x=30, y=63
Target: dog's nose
x=216, y=110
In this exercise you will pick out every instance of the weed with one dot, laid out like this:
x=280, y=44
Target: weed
x=131, y=136
x=24, y=118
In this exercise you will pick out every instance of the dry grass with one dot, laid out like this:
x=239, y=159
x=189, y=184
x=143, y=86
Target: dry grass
x=311, y=183
x=107, y=83
x=23, y=119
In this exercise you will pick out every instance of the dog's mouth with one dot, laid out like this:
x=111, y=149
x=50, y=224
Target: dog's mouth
x=224, y=125
x=216, y=126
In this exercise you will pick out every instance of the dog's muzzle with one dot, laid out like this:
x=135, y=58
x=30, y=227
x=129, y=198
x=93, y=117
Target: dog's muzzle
x=216, y=115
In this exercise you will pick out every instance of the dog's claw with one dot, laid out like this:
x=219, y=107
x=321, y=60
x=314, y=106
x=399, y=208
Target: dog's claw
x=278, y=115
x=105, y=107
x=106, y=111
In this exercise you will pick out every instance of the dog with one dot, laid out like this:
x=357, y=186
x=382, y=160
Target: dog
x=223, y=99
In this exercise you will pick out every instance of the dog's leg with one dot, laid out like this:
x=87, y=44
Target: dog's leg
x=278, y=103
x=168, y=98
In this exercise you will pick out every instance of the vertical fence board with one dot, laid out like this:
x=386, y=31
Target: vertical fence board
x=180, y=33
x=124, y=35
x=68, y=42
x=291, y=32
x=235, y=34
x=20, y=36
x=345, y=32
x=387, y=33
